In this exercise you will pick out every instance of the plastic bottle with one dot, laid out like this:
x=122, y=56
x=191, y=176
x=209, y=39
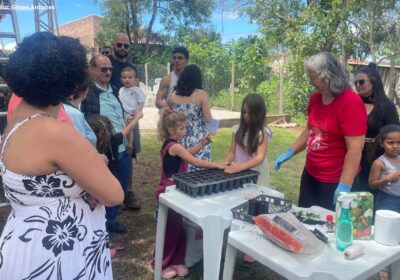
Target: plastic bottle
x=344, y=225
x=330, y=225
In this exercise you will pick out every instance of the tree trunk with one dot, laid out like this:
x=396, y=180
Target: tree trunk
x=392, y=79
x=371, y=39
x=149, y=34
x=344, y=34
x=134, y=9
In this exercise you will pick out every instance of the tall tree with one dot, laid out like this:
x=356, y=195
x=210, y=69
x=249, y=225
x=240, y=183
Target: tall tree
x=139, y=18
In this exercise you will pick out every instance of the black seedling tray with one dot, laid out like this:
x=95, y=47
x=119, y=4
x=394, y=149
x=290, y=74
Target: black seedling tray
x=210, y=181
x=275, y=205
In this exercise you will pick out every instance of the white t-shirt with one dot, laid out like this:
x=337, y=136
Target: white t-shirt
x=130, y=98
x=173, y=82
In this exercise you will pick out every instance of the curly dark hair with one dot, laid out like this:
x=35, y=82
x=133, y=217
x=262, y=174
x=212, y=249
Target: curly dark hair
x=377, y=148
x=189, y=80
x=103, y=130
x=256, y=108
x=46, y=69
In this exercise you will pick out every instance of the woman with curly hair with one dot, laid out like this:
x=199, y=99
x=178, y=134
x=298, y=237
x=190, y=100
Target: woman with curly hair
x=190, y=98
x=49, y=169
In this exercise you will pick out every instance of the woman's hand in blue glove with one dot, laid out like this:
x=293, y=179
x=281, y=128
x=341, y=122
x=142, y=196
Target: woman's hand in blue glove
x=282, y=158
x=340, y=188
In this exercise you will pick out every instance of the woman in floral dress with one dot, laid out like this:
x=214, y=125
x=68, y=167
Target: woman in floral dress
x=55, y=180
x=192, y=100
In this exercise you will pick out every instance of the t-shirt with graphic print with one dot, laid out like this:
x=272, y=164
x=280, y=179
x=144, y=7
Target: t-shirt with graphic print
x=327, y=127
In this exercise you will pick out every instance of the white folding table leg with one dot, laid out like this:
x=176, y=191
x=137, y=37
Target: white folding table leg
x=394, y=270
x=160, y=237
x=230, y=259
x=213, y=238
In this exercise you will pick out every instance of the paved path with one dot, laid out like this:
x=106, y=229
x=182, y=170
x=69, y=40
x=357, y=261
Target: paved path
x=150, y=118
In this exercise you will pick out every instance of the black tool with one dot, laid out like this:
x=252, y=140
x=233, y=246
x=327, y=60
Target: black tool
x=318, y=234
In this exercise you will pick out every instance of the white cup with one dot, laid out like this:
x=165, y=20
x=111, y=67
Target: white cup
x=387, y=227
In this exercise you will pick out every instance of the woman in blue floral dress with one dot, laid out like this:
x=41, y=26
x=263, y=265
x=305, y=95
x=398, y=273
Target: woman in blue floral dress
x=192, y=100
x=55, y=180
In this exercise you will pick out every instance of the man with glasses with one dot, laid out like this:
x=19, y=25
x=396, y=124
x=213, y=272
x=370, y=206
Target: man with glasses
x=102, y=99
x=119, y=61
x=180, y=56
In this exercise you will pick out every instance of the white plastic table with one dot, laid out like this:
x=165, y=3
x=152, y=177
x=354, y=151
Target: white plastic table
x=328, y=264
x=212, y=213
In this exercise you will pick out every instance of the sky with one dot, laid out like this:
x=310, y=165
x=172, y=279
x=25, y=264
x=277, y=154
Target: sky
x=230, y=25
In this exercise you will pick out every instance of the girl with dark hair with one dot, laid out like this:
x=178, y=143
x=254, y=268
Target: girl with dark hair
x=381, y=111
x=190, y=98
x=385, y=171
x=250, y=139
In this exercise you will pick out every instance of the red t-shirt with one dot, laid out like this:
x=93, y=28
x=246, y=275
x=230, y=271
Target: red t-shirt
x=327, y=126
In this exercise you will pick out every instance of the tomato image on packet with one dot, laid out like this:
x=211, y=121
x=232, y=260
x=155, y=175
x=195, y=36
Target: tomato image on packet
x=285, y=230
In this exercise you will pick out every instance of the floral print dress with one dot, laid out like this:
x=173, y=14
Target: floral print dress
x=52, y=231
x=196, y=130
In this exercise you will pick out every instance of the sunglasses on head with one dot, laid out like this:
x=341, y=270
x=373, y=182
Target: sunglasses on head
x=106, y=69
x=125, y=46
x=360, y=82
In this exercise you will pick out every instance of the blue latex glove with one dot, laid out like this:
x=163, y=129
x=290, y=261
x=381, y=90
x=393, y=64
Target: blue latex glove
x=282, y=158
x=340, y=188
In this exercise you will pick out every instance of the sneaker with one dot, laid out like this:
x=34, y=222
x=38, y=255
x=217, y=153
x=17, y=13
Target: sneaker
x=168, y=273
x=116, y=228
x=130, y=201
x=181, y=270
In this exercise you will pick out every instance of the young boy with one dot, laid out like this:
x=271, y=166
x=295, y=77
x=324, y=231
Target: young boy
x=132, y=99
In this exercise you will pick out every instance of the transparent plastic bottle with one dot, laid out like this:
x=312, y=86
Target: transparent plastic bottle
x=344, y=226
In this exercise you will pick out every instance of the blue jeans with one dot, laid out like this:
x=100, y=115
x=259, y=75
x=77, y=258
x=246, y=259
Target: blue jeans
x=387, y=202
x=123, y=173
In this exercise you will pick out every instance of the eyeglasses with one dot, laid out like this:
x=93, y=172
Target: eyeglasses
x=179, y=57
x=105, y=52
x=360, y=82
x=125, y=46
x=104, y=70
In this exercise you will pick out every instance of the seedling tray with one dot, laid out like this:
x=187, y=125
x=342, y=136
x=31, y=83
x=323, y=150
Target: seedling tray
x=211, y=181
x=275, y=205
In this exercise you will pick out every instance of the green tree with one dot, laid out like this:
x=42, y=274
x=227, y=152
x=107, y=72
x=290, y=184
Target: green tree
x=138, y=17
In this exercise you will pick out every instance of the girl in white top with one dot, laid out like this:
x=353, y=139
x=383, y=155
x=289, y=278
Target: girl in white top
x=250, y=139
x=385, y=171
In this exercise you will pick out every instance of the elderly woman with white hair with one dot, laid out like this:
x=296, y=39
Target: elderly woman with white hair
x=334, y=136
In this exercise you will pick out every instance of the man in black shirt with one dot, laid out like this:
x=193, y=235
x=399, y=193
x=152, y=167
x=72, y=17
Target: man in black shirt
x=119, y=60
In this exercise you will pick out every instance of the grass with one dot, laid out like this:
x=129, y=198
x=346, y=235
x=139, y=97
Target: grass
x=287, y=179
x=142, y=227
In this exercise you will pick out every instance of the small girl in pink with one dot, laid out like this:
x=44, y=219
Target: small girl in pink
x=175, y=159
x=250, y=139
